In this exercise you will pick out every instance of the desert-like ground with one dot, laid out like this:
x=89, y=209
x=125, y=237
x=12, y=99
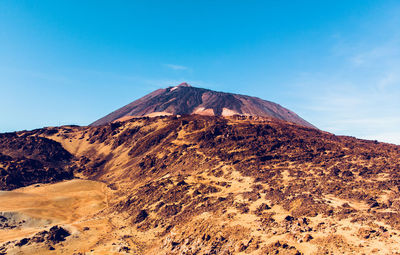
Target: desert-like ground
x=200, y=185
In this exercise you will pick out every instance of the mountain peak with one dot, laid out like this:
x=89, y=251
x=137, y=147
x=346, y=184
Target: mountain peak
x=184, y=84
x=201, y=102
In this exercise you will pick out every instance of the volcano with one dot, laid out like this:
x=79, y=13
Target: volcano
x=187, y=100
x=224, y=174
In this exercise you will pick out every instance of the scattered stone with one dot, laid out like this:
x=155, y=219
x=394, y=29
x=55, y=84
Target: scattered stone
x=124, y=249
x=289, y=218
x=141, y=216
x=22, y=242
x=307, y=238
x=57, y=234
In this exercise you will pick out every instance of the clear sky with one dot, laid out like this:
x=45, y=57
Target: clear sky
x=335, y=63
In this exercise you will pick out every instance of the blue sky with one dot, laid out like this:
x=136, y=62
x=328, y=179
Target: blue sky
x=335, y=63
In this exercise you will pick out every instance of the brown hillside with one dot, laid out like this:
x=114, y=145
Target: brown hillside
x=214, y=185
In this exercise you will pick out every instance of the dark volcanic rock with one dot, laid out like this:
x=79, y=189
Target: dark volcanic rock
x=25, y=160
x=57, y=234
x=142, y=215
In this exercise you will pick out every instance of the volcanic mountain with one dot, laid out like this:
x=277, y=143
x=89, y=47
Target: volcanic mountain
x=185, y=100
x=194, y=184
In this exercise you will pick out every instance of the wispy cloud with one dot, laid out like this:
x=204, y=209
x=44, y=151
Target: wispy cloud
x=362, y=101
x=359, y=94
x=381, y=64
x=389, y=79
x=150, y=83
x=375, y=54
x=49, y=77
x=177, y=67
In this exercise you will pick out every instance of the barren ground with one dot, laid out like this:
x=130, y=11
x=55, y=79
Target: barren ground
x=208, y=185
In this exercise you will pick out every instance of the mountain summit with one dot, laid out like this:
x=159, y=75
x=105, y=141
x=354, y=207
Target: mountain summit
x=185, y=100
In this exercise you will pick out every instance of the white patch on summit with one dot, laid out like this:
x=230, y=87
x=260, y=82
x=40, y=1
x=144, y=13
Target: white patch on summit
x=183, y=84
x=229, y=112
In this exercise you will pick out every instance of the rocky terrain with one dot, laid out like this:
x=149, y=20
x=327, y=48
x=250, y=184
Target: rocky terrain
x=197, y=185
x=185, y=100
x=26, y=159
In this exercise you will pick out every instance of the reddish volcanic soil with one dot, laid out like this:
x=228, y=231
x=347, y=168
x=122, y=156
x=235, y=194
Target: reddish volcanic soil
x=199, y=185
x=185, y=100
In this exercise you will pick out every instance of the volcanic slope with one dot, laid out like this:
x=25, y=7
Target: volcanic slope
x=210, y=185
x=185, y=100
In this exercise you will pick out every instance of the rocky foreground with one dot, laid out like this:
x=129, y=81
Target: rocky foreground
x=197, y=185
